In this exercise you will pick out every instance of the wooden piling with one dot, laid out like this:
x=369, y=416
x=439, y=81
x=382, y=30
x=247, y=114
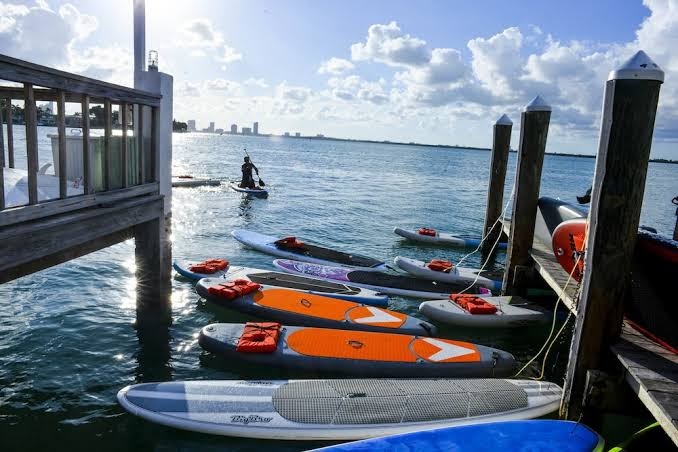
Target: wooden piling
x=533, y=133
x=501, y=144
x=629, y=108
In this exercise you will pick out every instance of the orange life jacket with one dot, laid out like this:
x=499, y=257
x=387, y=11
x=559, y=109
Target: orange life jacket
x=440, y=265
x=289, y=242
x=230, y=290
x=209, y=266
x=473, y=304
x=427, y=231
x=259, y=338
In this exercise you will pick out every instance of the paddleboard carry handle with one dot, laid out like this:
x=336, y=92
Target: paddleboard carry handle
x=305, y=303
x=355, y=344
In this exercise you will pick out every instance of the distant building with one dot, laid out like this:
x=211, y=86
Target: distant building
x=319, y=135
x=287, y=134
x=247, y=131
x=219, y=131
x=255, y=129
x=297, y=134
x=234, y=128
x=210, y=129
x=191, y=125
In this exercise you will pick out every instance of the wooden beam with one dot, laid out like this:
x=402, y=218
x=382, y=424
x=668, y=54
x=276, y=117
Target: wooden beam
x=123, y=146
x=44, y=209
x=87, y=167
x=20, y=71
x=629, y=109
x=2, y=163
x=501, y=144
x=10, y=132
x=61, y=127
x=533, y=133
x=31, y=144
x=108, y=166
x=140, y=144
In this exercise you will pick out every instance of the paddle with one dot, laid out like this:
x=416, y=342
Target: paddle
x=261, y=182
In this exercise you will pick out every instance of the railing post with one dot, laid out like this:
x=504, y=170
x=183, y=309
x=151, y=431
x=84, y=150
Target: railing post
x=108, y=166
x=534, y=126
x=139, y=126
x=155, y=144
x=87, y=173
x=2, y=164
x=629, y=109
x=10, y=133
x=501, y=144
x=31, y=142
x=123, y=146
x=61, y=126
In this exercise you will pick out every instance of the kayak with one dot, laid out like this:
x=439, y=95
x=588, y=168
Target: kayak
x=458, y=275
x=353, y=353
x=336, y=409
x=288, y=281
x=509, y=312
x=292, y=248
x=293, y=307
x=433, y=237
x=392, y=284
x=542, y=435
x=258, y=191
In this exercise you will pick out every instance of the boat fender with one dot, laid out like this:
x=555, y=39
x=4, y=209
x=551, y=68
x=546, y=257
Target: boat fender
x=209, y=266
x=473, y=304
x=233, y=289
x=259, y=338
x=289, y=242
x=427, y=231
x=440, y=265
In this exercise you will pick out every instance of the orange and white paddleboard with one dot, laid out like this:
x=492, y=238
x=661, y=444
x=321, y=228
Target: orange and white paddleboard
x=294, y=307
x=362, y=353
x=569, y=240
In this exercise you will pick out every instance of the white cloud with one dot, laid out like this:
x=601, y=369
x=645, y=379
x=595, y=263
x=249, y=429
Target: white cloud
x=258, y=82
x=226, y=87
x=354, y=87
x=387, y=44
x=203, y=39
x=335, y=66
x=497, y=61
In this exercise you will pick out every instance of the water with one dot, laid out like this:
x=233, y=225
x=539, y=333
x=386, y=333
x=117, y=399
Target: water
x=67, y=344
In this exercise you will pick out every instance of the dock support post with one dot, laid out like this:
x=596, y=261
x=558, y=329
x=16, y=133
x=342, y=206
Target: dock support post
x=501, y=144
x=534, y=127
x=629, y=109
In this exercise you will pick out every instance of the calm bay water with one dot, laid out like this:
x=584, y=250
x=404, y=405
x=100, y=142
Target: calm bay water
x=67, y=343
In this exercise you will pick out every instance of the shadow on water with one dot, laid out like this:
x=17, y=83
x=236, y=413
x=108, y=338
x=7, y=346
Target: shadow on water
x=154, y=355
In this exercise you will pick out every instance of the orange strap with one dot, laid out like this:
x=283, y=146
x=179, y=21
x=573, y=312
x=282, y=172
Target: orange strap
x=233, y=289
x=209, y=266
x=427, y=231
x=259, y=338
x=440, y=265
x=473, y=304
x=289, y=242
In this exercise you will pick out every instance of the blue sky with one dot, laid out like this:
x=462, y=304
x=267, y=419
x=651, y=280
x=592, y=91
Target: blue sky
x=427, y=71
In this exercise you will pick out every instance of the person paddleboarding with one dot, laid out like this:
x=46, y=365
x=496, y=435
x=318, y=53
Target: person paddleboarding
x=247, y=180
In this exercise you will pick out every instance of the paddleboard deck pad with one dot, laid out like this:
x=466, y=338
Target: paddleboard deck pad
x=300, y=308
x=392, y=284
x=359, y=353
x=458, y=275
x=433, y=237
x=335, y=409
x=261, y=192
x=510, y=312
x=304, y=252
x=534, y=435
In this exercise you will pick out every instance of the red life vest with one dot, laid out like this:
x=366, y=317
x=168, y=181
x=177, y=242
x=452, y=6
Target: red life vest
x=428, y=231
x=209, y=266
x=473, y=304
x=233, y=289
x=440, y=265
x=289, y=242
x=259, y=338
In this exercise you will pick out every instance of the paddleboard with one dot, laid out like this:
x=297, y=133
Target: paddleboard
x=288, y=281
x=190, y=181
x=361, y=353
x=458, y=275
x=511, y=312
x=294, y=307
x=258, y=191
x=335, y=409
x=441, y=238
x=305, y=252
x=392, y=284
x=534, y=435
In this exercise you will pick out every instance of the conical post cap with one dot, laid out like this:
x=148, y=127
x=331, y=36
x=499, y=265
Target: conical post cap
x=538, y=104
x=503, y=121
x=638, y=67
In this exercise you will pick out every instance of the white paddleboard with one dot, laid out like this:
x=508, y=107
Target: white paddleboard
x=261, y=192
x=507, y=316
x=459, y=275
x=336, y=409
x=441, y=238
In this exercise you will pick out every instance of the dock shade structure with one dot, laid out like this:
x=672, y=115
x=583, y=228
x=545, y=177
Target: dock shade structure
x=105, y=187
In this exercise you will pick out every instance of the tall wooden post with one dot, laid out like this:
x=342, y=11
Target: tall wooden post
x=152, y=253
x=501, y=144
x=629, y=108
x=534, y=127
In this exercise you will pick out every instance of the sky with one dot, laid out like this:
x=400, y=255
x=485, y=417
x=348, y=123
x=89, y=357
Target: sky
x=438, y=72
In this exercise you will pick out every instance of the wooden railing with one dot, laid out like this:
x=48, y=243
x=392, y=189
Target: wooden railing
x=62, y=87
